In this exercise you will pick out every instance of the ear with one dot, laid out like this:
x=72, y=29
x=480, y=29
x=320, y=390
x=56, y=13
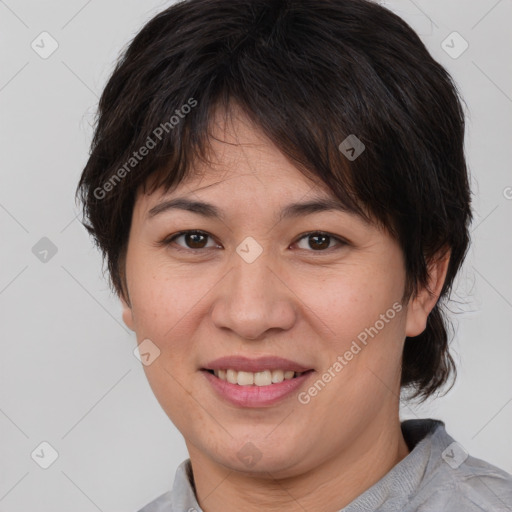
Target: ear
x=127, y=314
x=421, y=305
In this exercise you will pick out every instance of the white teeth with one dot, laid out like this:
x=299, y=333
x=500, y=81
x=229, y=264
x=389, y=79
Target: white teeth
x=231, y=376
x=277, y=376
x=263, y=378
x=245, y=379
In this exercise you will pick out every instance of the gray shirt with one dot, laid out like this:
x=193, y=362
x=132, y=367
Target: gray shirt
x=437, y=475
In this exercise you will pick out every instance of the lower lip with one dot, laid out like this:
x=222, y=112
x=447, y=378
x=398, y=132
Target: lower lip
x=256, y=396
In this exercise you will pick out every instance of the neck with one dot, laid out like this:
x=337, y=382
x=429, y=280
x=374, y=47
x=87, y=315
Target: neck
x=329, y=486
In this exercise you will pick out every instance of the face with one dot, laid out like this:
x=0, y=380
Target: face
x=275, y=289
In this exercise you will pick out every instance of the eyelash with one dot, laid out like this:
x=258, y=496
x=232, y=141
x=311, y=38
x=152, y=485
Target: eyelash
x=169, y=240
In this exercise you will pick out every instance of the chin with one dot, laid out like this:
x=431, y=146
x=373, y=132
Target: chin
x=259, y=458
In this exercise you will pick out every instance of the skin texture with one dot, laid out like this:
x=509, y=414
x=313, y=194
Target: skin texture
x=293, y=301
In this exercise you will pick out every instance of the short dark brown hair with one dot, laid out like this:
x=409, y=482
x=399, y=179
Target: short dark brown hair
x=309, y=73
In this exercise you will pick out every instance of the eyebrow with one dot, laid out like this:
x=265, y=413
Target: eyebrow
x=208, y=210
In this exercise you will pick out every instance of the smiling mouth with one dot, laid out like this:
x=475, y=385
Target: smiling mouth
x=261, y=378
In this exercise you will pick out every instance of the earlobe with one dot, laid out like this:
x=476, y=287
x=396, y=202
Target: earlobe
x=422, y=304
x=127, y=314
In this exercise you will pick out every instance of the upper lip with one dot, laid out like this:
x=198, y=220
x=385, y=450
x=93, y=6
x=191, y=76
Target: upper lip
x=245, y=364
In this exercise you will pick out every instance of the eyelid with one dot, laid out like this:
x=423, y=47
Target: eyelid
x=341, y=242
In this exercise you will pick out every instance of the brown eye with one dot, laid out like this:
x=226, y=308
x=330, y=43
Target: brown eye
x=191, y=240
x=319, y=241
x=195, y=240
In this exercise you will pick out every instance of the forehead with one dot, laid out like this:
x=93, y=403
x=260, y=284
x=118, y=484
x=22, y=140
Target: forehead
x=243, y=170
x=237, y=147
x=237, y=192
x=239, y=155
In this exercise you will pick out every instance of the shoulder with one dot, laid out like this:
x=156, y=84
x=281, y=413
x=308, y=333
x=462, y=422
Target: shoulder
x=470, y=488
x=161, y=504
x=457, y=481
x=181, y=498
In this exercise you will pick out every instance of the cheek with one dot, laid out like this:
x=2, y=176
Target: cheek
x=366, y=329
x=168, y=302
x=164, y=304
x=157, y=293
x=355, y=298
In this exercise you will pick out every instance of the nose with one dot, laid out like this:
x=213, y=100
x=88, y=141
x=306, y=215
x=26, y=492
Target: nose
x=253, y=299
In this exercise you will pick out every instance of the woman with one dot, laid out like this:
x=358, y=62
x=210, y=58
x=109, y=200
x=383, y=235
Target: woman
x=280, y=191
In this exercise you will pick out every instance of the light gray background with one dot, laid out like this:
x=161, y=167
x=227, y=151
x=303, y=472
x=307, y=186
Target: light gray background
x=68, y=373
